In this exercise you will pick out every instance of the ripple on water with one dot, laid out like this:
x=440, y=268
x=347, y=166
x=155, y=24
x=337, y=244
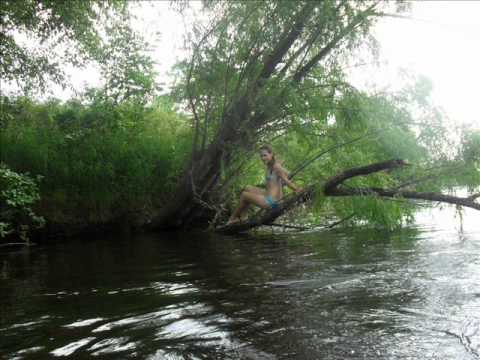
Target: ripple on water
x=27, y=325
x=191, y=328
x=81, y=323
x=26, y=352
x=112, y=345
x=470, y=336
x=413, y=295
x=155, y=318
x=72, y=347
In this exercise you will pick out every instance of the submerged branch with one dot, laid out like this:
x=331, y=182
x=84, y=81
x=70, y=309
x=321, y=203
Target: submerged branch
x=287, y=226
x=341, y=221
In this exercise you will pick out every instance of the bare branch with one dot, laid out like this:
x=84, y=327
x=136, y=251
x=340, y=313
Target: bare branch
x=206, y=122
x=324, y=152
x=189, y=90
x=296, y=227
x=358, y=19
x=330, y=187
x=289, y=36
x=431, y=196
x=341, y=221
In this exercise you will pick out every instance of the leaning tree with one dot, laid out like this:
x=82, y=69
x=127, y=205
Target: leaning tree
x=256, y=70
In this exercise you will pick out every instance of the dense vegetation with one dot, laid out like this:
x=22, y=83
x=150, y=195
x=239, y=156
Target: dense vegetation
x=258, y=72
x=98, y=162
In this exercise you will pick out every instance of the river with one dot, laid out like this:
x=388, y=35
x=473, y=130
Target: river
x=340, y=294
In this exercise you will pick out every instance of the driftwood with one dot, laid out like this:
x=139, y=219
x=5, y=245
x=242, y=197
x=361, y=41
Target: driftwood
x=333, y=187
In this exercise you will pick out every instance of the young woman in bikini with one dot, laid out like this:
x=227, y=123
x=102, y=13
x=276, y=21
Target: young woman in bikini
x=267, y=198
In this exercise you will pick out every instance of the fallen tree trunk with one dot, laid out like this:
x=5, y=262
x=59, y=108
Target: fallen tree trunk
x=333, y=187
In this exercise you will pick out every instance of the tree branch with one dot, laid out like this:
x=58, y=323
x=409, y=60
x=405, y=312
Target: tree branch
x=431, y=196
x=474, y=196
x=320, y=154
x=358, y=19
x=289, y=36
x=331, y=187
x=286, y=226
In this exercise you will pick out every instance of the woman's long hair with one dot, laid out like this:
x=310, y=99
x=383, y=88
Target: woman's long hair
x=269, y=149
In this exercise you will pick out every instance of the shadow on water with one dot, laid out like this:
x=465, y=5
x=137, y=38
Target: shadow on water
x=412, y=293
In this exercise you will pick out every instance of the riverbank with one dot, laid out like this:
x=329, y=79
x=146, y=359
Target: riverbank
x=87, y=167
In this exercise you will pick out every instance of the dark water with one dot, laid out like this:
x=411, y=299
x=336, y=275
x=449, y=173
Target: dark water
x=350, y=294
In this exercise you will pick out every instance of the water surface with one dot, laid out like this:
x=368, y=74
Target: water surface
x=343, y=294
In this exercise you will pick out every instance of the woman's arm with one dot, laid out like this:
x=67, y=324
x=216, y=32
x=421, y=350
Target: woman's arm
x=282, y=173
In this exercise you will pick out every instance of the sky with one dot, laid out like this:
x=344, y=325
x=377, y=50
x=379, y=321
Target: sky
x=440, y=40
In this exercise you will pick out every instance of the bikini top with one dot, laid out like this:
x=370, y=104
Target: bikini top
x=273, y=176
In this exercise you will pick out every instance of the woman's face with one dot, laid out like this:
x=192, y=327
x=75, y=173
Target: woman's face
x=265, y=156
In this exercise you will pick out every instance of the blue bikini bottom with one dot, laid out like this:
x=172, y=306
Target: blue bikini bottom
x=272, y=203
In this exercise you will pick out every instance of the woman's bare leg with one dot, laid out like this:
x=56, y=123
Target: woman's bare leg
x=246, y=199
x=255, y=190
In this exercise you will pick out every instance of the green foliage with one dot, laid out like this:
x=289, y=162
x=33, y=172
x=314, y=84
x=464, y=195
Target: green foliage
x=126, y=67
x=119, y=150
x=64, y=32
x=471, y=148
x=375, y=128
x=228, y=68
x=98, y=161
x=306, y=110
x=470, y=159
x=18, y=193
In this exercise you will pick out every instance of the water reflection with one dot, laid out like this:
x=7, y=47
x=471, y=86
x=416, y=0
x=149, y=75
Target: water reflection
x=412, y=293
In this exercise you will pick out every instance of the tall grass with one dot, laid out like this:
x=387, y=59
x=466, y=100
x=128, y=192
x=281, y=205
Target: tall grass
x=98, y=161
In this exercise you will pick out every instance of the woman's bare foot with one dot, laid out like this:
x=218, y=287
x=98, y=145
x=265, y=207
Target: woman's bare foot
x=233, y=221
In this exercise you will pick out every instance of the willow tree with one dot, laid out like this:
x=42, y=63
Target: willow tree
x=39, y=37
x=243, y=81
x=260, y=69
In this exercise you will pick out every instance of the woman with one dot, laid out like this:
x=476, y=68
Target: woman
x=275, y=177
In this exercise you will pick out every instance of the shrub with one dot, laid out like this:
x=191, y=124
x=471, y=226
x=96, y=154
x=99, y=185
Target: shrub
x=17, y=195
